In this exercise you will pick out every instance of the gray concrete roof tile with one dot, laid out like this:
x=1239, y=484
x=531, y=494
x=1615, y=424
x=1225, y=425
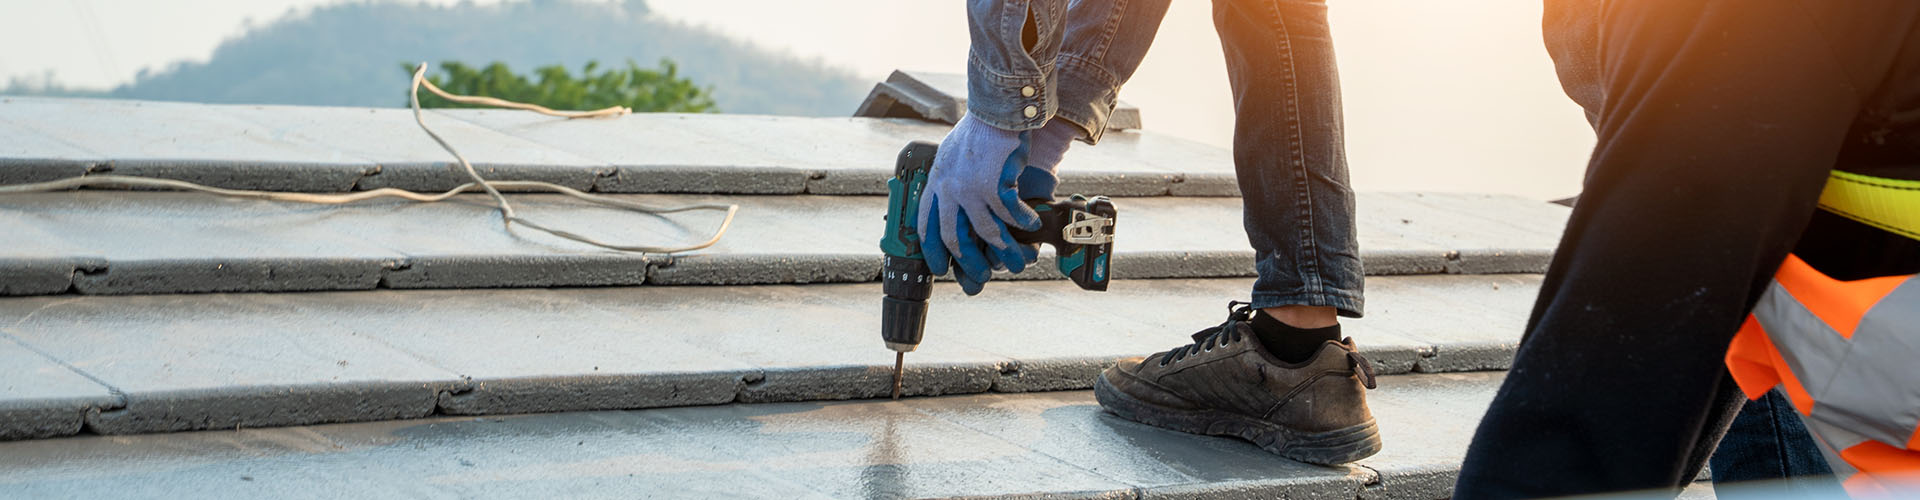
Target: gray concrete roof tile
x=218, y=361
x=1470, y=325
x=335, y=149
x=35, y=262
x=1455, y=310
x=462, y=244
x=1428, y=420
x=163, y=242
x=1487, y=233
x=190, y=142
x=1522, y=215
x=29, y=156
x=495, y=351
x=884, y=450
x=662, y=152
x=19, y=169
x=408, y=158
x=813, y=342
x=787, y=155
x=1078, y=333
x=42, y=275
x=516, y=271
x=152, y=243
x=586, y=359
x=566, y=455
x=41, y=398
x=1047, y=444
x=1426, y=423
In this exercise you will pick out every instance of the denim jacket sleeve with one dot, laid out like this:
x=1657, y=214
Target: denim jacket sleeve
x=1106, y=39
x=1071, y=63
x=1010, y=67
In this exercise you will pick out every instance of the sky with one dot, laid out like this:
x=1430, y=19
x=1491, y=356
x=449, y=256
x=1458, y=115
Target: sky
x=1439, y=96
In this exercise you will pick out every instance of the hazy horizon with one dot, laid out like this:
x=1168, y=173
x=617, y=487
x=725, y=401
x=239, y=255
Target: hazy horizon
x=1439, y=97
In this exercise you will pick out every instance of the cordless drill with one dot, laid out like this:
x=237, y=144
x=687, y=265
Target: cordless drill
x=1079, y=228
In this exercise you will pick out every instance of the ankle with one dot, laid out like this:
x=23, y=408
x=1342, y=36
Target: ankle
x=1304, y=317
x=1290, y=343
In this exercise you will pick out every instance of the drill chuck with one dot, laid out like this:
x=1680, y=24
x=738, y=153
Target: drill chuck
x=903, y=311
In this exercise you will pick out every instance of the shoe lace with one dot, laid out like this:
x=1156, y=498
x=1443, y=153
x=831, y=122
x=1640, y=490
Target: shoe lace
x=1228, y=332
x=1216, y=336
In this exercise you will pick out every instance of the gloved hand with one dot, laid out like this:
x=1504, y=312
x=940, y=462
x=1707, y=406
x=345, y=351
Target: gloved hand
x=1049, y=145
x=970, y=201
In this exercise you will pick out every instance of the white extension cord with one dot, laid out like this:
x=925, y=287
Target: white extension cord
x=508, y=215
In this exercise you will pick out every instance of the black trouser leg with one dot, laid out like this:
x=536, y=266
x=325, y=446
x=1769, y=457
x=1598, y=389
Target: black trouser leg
x=1717, y=121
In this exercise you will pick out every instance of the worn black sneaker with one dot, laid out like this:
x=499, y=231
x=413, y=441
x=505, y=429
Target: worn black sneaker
x=1226, y=384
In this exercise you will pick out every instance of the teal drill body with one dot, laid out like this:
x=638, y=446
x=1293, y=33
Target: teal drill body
x=1079, y=228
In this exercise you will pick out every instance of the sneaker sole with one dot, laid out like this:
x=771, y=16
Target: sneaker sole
x=1333, y=447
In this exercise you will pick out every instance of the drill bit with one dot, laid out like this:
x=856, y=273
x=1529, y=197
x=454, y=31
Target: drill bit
x=899, y=363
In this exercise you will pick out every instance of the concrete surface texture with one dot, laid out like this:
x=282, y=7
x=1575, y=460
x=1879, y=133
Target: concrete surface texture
x=161, y=242
x=406, y=157
x=175, y=362
x=184, y=141
x=40, y=397
x=423, y=351
x=341, y=149
x=1057, y=444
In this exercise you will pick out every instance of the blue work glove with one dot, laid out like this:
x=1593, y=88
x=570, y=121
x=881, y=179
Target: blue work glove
x=970, y=201
x=1049, y=145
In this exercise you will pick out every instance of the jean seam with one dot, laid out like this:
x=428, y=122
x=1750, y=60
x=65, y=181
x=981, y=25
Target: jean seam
x=1782, y=467
x=1107, y=31
x=1309, y=260
x=1045, y=68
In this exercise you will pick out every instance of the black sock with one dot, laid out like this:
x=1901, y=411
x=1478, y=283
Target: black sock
x=1290, y=344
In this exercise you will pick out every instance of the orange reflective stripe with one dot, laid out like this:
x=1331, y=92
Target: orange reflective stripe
x=1757, y=366
x=1750, y=360
x=1879, y=464
x=1874, y=457
x=1790, y=384
x=1840, y=304
x=1855, y=341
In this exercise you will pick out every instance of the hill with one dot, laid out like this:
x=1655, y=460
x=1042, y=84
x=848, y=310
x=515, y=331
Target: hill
x=347, y=54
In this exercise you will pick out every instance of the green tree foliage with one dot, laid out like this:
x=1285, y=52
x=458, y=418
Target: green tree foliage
x=342, y=54
x=635, y=87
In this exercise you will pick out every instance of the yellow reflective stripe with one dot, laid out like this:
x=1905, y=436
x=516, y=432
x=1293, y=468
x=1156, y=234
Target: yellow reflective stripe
x=1890, y=204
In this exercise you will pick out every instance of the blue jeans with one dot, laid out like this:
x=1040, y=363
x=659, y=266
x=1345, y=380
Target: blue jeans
x=1768, y=442
x=1035, y=60
x=1289, y=152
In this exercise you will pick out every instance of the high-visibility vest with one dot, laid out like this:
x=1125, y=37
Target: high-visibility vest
x=1846, y=353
